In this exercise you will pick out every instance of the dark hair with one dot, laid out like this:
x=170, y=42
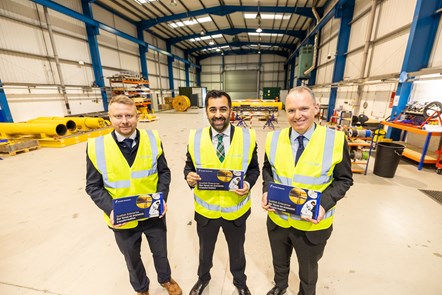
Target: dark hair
x=217, y=94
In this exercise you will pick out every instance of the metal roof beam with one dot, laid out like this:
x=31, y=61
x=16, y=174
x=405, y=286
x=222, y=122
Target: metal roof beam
x=239, y=44
x=243, y=52
x=225, y=10
x=233, y=31
x=90, y=21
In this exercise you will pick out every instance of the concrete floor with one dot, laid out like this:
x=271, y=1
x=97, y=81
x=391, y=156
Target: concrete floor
x=387, y=237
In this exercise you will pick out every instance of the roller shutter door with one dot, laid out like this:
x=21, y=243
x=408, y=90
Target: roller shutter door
x=241, y=84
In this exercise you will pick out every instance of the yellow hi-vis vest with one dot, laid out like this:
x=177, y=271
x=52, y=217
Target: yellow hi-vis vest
x=314, y=169
x=214, y=204
x=119, y=179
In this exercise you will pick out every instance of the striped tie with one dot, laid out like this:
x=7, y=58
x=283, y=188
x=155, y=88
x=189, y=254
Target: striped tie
x=220, y=147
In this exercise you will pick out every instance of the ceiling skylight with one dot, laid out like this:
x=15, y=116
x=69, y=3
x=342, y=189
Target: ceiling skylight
x=219, y=48
x=141, y=2
x=267, y=15
x=265, y=34
x=262, y=46
x=206, y=37
x=190, y=22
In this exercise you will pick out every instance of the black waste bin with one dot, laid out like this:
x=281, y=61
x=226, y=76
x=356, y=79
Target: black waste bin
x=388, y=155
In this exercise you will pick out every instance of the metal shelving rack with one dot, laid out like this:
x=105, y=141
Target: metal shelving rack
x=420, y=155
x=135, y=88
x=362, y=144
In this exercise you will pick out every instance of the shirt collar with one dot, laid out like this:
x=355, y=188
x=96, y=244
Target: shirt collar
x=308, y=134
x=120, y=137
x=225, y=132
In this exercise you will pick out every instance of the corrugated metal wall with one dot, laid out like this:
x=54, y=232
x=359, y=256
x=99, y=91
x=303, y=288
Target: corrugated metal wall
x=436, y=56
x=28, y=70
x=31, y=61
x=385, y=56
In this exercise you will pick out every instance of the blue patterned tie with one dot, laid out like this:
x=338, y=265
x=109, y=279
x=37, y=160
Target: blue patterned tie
x=300, y=139
x=220, y=147
x=128, y=142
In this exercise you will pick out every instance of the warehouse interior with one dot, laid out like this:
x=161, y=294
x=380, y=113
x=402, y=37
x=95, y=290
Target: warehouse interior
x=375, y=67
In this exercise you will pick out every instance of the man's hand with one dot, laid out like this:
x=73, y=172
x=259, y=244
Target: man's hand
x=265, y=204
x=243, y=191
x=111, y=217
x=165, y=209
x=192, y=178
x=320, y=216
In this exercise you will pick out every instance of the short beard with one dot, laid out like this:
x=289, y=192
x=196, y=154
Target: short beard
x=226, y=123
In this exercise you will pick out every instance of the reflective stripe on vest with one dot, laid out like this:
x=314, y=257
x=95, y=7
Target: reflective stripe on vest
x=278, y=144
x=219, y=208
x=224, y=204
x=101, y=163
x=326, y=162
x=285, y=216
x=246, y=147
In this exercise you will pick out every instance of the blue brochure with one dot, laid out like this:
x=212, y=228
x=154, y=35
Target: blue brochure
x=294, y=200
x=137, y=207
x=215, y=179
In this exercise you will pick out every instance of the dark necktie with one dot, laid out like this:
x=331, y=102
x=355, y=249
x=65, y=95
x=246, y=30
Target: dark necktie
x=300, y=139
x=128, y=142
x=220, y=147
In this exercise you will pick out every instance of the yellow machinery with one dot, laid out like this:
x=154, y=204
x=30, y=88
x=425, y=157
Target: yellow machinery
x=144, y=115
x=257, y=103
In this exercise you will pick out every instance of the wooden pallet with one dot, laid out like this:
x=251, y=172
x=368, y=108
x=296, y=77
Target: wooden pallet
x=13, y=153
x=19, y=146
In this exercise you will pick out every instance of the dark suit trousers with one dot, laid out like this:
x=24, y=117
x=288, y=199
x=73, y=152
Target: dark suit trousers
x=308, y=249
x=235, y=237
x=129, y=243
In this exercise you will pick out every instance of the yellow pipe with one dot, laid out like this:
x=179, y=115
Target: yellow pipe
x=42, y=129
x=89, y=122
x=70, y=124
x=80, y=122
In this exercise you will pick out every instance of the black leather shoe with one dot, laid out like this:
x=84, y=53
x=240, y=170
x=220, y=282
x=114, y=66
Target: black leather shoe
x=244, y=291
x=198, y=288
x=276, y=291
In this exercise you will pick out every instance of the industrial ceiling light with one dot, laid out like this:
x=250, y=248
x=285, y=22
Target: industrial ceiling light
x=141, y=2
x=258, y=17
x=211, y=42
x=202, y=33
x=173, y=3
